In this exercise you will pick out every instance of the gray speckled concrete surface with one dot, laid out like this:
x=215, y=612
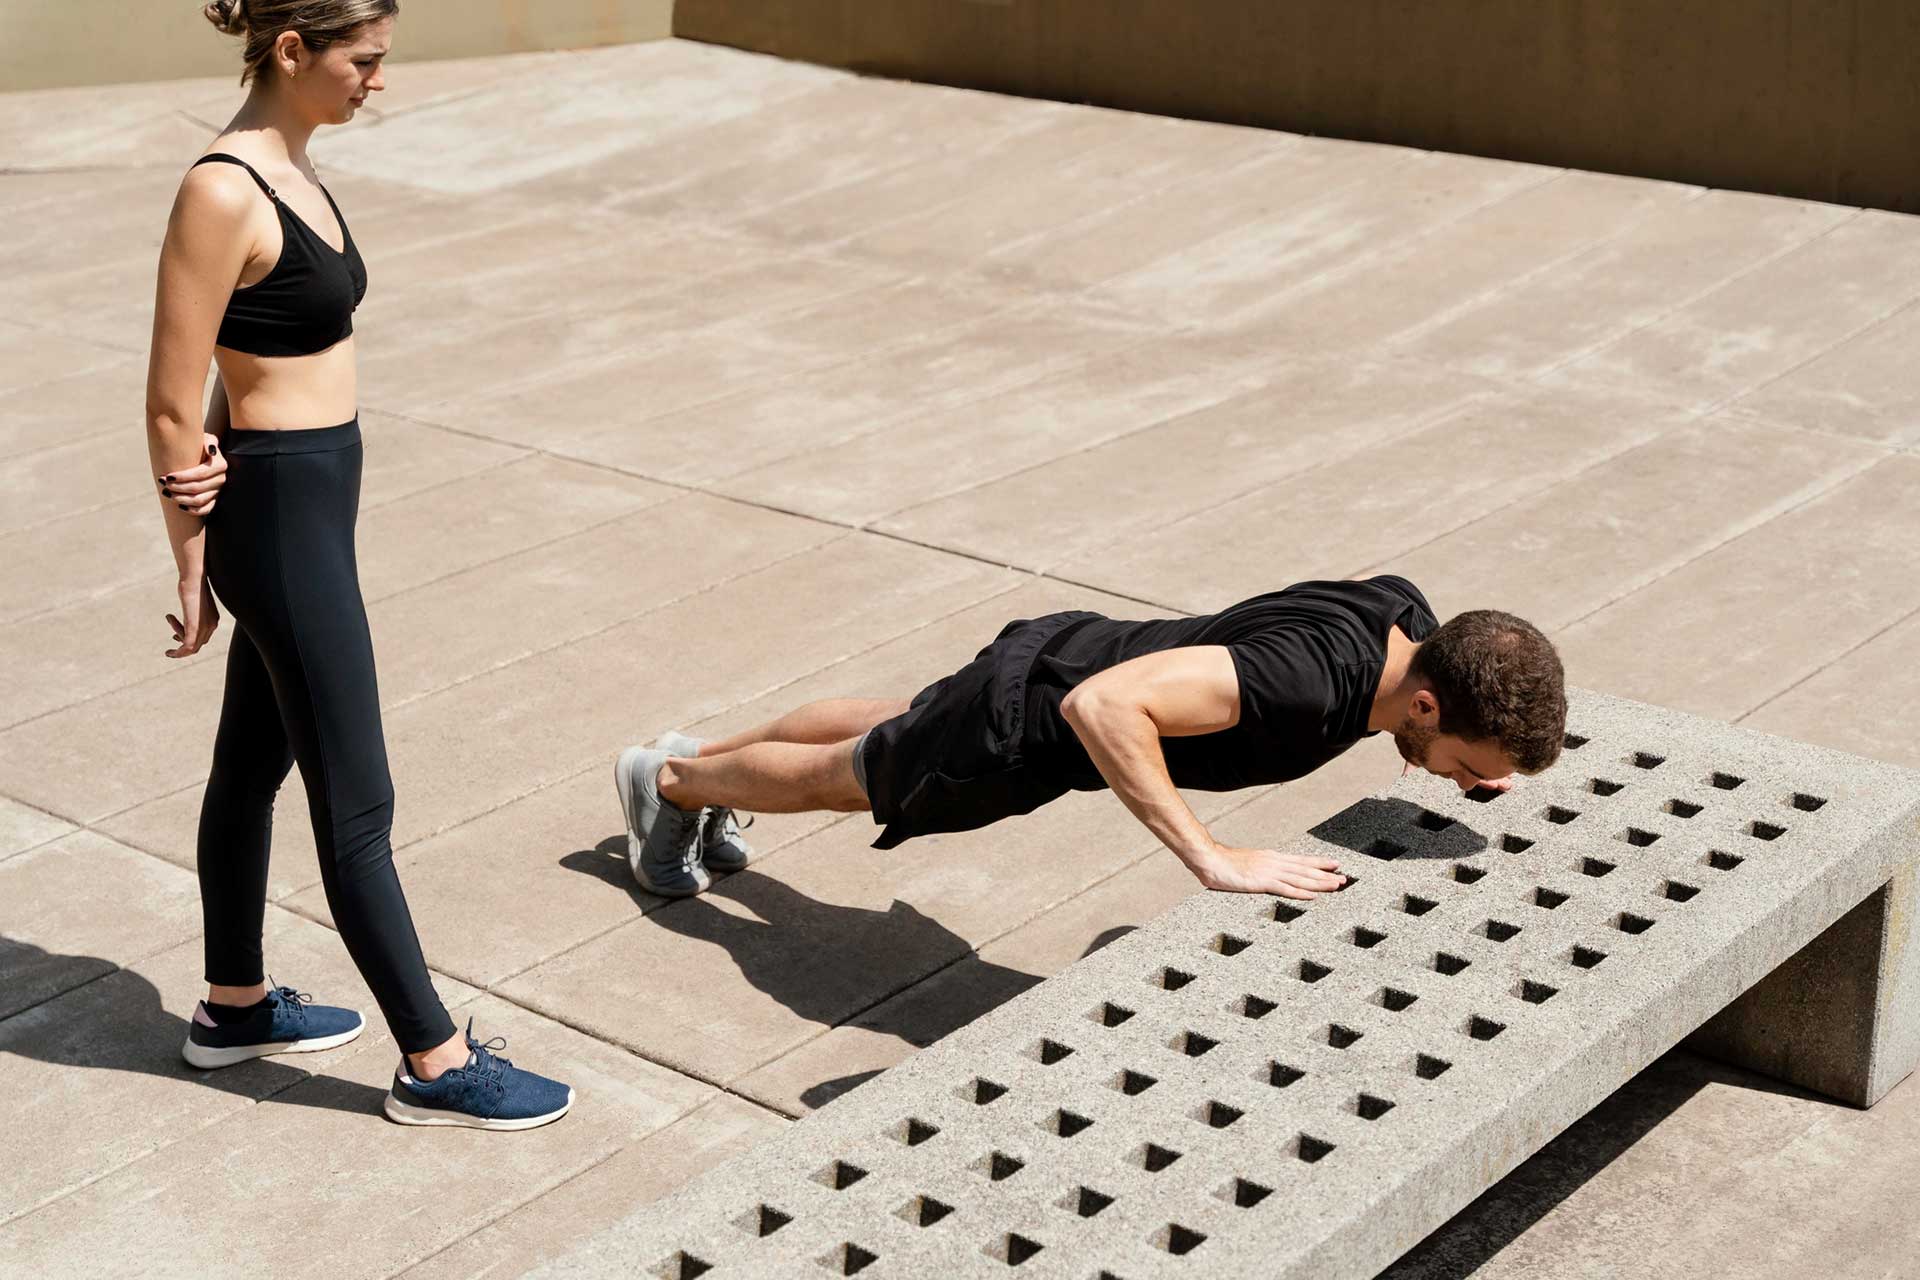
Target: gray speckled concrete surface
x=1253, y=1088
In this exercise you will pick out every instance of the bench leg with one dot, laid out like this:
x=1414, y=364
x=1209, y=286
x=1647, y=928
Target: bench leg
x=1842, y=1016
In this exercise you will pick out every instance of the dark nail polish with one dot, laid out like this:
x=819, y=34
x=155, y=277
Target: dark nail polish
x=181, y=505
x=166, y=479
x=213, y=449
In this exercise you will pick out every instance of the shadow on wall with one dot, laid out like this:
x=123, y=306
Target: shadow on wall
x=805, y=954
x=116, y=1023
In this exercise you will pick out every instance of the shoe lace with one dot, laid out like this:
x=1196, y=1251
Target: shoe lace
x=725, y=822
x=685, y=836
x=296, y=1002
x=487, y=1061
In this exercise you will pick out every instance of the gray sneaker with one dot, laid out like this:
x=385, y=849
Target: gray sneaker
x=722, y=847
x=663, y=840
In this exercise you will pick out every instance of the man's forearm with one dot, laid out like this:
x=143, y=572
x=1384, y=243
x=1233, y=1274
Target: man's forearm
x=1124, y=744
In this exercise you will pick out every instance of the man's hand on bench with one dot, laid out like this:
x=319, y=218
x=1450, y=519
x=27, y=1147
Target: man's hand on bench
x=1290, y=875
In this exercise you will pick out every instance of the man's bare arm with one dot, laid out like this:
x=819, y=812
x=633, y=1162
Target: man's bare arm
x=1121, y=714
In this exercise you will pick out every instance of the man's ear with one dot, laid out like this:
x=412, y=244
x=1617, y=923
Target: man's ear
x=1423, y=705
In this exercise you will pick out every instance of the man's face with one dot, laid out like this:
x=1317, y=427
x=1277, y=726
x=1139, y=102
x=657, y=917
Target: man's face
x=1469, y=764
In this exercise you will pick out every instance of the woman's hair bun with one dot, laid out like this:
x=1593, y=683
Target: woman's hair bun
x=229, y=16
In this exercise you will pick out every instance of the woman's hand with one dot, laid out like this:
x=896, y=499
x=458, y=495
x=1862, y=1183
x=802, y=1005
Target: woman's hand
x=196, y=489
x=199, y=616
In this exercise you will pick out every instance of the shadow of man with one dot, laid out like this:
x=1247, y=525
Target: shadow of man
x=115, y=1022
x=831, y=964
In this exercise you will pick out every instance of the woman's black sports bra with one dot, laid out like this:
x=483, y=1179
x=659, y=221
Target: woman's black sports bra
x=305, y=303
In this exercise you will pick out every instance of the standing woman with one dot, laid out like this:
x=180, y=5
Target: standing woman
x=258, y=274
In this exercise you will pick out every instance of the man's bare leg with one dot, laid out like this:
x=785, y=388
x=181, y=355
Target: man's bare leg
x=768, y=777
x=820, y=723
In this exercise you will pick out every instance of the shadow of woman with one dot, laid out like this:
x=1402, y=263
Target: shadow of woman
x=832, y=964
x=116, y=1023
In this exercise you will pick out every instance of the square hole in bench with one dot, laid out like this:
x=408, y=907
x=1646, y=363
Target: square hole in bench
x=1574, y=741
x=1255, y=1007
x=1280, y=1075
x=1285, y=913
x=1467, y=873
x=1178, y=1240
x=913, y=1131
x=999, y=1166
x=1311, y=971
x=1548, y=898
x=1244, y=1194
x=1228, y=945
x=1171, y=979
x=1726, y=781
x=1415, y=905
x=981, y=1091
x=1218, y=1115
x=1048, y=1052
x=1369, y=1107
x=1133, y=1083
x=1595, y=867
x=839, y=1175
x=849, y=1259
x=1191, y=1043
x=1638, y=837
x=1484, y=795
x=1807, y=803
x=1511, y=843
x=682, y=1266
x=1384, y=849
x=1498, y=930
x=1681, y=808
x=1675, y=891
x=762, y=1220
x=1110, y=1014
x=923, y=1211
x=1153, y=1157
x=1765, y=830
x=1559, y=815
x=1535, y=992
x=1065, y=1124
x=1342, y=1037
x=1085, y=1201
x=1482, y=1028
x=1720, y=860
x=1431, y=821
x=1014, y=1249
x=1312, y=1149
x=1428, y=1067
x=1393, y=1000
x=1605, y=786
x=1627, y=922
x=1449, y=964
x=1647, y=760
x=1365, y=938
x=1585, y=957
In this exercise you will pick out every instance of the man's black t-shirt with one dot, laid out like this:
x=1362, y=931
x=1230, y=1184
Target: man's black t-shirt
x=1309, y=660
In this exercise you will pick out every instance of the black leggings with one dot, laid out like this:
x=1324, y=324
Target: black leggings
x=300, y=687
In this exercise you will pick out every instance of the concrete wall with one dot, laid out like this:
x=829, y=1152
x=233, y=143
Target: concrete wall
x=47, y=43
x=1816, y=98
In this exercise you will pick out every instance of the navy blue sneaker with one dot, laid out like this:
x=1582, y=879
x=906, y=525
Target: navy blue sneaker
x=488, y=1093
x=287, y=1021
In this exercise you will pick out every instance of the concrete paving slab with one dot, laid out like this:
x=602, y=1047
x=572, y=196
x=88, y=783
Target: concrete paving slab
x=1630, y=520
x=1830, y=707
x=1769, y=321
x=111, y=1047
x=23, y=828
x=950, y=369
x=1336, y=518
x=67, y=405
x=1864, y=387
x=184, y=1221
x=1310, y=412
x=59, y=563
x=1707, y=664
x=29, y=356
x=1243, y=274
x=600, y=1197
x=74, y=908
x=1626, y=284
x=895, y=463
x=67, y=479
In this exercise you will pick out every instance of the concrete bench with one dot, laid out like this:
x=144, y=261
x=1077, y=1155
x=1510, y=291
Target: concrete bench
x=1248, y=1087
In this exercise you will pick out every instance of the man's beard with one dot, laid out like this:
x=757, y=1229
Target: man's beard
x=1415, y=741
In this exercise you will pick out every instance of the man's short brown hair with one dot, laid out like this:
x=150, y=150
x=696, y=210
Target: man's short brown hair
x=1498, y=679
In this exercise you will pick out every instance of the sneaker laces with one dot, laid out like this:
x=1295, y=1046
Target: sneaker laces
x=295, y=1002
x=723, y=822
x=686, y=841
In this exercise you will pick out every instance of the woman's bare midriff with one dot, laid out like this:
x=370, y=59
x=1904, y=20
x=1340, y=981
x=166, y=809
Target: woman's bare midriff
x=289, y=393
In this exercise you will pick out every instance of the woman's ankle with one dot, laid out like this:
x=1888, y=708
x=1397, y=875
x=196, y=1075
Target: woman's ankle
x=236, y=997
x=428, y=1065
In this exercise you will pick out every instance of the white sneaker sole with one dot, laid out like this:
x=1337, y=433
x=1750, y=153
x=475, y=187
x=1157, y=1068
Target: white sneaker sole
x=433, y=1117
x=207, y=1058
x=623, y=783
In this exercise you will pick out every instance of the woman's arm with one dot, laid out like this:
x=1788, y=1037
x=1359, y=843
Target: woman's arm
x=205, y=249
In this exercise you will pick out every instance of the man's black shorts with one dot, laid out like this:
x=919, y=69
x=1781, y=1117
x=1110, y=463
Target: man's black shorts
x=953, y=761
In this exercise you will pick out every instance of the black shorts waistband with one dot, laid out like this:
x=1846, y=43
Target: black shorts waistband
x=295, y=440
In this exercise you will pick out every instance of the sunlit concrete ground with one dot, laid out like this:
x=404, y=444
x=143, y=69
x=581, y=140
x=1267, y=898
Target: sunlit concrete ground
x=697, y=384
